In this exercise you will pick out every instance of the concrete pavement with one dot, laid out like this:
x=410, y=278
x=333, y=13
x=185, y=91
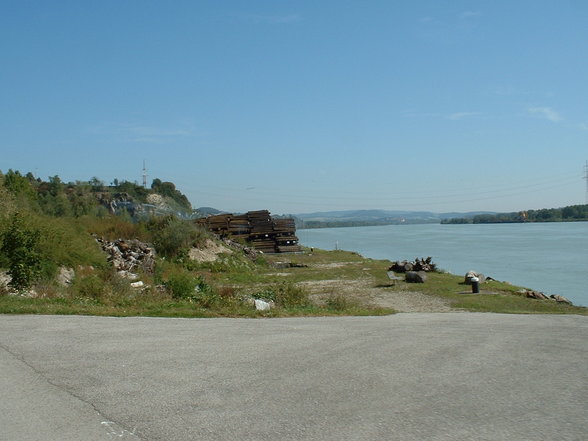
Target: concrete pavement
x=452, y=376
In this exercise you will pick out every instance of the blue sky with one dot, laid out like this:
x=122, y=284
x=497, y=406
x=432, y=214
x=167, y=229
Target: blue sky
x=301, y=106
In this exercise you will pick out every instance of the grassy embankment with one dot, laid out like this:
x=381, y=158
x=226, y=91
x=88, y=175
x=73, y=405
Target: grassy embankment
x=499, y=297
x=46, y=227
x=320, y=283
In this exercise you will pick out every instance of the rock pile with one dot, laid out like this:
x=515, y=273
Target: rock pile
x=540, y=296
x=129, y=255
x=417, y=265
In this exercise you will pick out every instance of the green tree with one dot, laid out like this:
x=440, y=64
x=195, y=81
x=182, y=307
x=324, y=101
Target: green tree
x=20, y=246
x=19, y=185
x=96, y=184
x=56, y=186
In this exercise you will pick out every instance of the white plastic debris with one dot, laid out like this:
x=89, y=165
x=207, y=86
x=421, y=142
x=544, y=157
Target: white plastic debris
x=138, y=284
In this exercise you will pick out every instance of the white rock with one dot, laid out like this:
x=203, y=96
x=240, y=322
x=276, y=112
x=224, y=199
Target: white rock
x=261, y=305
x=65, y=276
x=128, y=275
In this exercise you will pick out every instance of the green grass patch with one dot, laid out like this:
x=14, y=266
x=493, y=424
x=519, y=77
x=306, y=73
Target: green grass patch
x=305, y=284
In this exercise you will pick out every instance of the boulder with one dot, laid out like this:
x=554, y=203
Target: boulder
x=471, y=274
x=536, y=295
x=415, y=277
x=560, y=299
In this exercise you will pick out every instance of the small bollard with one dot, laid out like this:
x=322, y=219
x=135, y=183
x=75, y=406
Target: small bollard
x=475, y=285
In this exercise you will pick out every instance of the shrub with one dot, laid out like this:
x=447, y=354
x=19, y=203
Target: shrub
x=90, y=286
x=339, y=302
x=172, y=237
x=20, y=248
x=182, y=285
x=287, y=295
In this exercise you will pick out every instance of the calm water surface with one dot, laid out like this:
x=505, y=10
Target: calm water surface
x=548, y=257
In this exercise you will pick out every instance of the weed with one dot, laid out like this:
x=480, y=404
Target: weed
x=90, y=286
x=182, y=285
x=289, y=295
x=339, y=302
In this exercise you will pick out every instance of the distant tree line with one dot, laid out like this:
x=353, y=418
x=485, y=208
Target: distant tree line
x=572, y=213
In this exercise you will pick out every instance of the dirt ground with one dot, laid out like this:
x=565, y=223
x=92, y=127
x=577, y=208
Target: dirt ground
x=208, y=252
x=364, y=290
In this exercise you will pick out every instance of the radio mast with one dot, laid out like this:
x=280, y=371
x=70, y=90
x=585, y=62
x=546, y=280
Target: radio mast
x=586, y=177
x=145, y=175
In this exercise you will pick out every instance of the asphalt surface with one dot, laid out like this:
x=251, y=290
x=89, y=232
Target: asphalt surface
x=451, y=376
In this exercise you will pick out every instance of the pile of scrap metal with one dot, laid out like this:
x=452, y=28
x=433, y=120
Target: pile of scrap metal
x=258, y=228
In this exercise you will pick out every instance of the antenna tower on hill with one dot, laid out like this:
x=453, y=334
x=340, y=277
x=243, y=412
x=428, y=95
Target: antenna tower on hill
x=586, y=177
x=144, y=175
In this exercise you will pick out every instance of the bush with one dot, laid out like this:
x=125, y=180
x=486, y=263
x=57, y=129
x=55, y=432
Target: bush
x=172, y=237
x=90, y=286
x=339, y=302
x=182, y=285
x=286, y=295
x=20, y=248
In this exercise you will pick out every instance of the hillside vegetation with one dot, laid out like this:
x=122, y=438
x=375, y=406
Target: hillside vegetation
x=49, y=228
x=51, y=262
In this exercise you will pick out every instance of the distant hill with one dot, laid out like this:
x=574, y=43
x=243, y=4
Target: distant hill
x=350, y=218
x=207, y=211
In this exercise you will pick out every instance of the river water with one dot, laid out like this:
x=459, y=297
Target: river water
x=547, y=257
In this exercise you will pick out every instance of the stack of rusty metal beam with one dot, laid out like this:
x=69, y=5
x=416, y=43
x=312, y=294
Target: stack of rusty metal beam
x=217, y=224
x=260, y=221
x=261, y=235
x=285, y=236
x=239, y=227
x=258, y=228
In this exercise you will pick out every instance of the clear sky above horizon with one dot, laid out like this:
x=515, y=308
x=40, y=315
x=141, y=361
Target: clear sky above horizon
x=302, y=106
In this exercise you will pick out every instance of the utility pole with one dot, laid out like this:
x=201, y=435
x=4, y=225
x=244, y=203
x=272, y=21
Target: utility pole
x=144, y=175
